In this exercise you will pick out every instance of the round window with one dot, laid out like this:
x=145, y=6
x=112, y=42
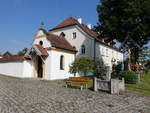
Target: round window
x=41, y=43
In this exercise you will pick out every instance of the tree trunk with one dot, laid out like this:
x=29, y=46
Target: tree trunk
x=129, y=59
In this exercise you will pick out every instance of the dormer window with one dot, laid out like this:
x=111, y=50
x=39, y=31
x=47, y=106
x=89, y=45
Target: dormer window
x=83, y=49
x=74, y=35
x=41, y=43
x=62, y=34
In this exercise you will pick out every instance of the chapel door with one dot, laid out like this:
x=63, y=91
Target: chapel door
x=40, y=67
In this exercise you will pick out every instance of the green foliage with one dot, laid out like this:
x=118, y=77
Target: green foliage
x=148, y=64
x=129, y=76
x=82, y=64
x=99, y=69
x=144, y=87
x=117, y=67
x=22, y=52
x=147, y=70
x=119, y=19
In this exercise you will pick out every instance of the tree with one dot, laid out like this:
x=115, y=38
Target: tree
x=100, y=70
x=125, y=19
x=82, y=64
x=22, y=52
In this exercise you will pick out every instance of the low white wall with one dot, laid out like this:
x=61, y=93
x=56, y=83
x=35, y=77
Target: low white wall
x=17, y=68
x=28, y=69
x=53, y=65
x=14, y=69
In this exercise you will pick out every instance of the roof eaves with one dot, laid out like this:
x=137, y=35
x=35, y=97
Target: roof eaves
x=65, y=49
x=62, y=27
x=14, y=59
x=109, y=46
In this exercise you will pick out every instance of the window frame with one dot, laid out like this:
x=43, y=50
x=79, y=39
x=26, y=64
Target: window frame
x=74, y=35
x=62, y=62
x=83, y=49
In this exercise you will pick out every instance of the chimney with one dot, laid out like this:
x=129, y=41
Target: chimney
x=89, y=25
x=79, y=18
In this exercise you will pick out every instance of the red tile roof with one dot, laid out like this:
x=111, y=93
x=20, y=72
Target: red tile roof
x=7, y=54
x=71, y=21
x=42, y=50
x=14, y=58
x=60, y=42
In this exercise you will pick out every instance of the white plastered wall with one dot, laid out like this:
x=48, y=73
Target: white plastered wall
x=21, y=69
x=46, y=43
x=81, y=39
x=53, y=65
x=107, y=54
x=28, y=69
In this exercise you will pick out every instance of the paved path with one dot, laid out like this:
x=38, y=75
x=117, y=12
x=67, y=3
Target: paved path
x=41, y=96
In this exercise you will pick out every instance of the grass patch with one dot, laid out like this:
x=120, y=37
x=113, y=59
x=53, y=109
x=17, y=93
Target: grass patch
x=90, y=84
x=144, y=87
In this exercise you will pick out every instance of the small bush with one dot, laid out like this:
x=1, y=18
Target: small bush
x=100, y=70
x=129, y=76
x=117, y=67
x=115, y=75
x=81, y=65
x=147, y=70
x=116, y=70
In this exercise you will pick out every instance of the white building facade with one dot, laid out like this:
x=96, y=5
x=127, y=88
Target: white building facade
x=49, y=58
x=52, y=52
x=87, y=42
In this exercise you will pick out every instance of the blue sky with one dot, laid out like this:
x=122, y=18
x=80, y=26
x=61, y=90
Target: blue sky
x=20, y=19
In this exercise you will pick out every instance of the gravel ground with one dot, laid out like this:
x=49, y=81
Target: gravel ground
x=41, y=96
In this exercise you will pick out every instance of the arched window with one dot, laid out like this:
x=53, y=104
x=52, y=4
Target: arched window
x=61, y=62
x=83, y=49
x=41, y=43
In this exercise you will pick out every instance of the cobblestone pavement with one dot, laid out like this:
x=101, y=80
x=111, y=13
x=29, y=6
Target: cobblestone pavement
x=41, y=96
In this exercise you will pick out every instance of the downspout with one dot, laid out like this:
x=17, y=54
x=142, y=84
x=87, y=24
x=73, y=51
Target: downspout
x=94, y=49
x=74, y=60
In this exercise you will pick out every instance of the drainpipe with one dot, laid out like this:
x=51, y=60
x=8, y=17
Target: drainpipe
x=94, y=49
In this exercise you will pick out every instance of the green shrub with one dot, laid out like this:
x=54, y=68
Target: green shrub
x=99, y=69
x=115, y=75
x=81, y=65
x=129, y=76
x=147, y=70
x=116, y=70
x=117, y=67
